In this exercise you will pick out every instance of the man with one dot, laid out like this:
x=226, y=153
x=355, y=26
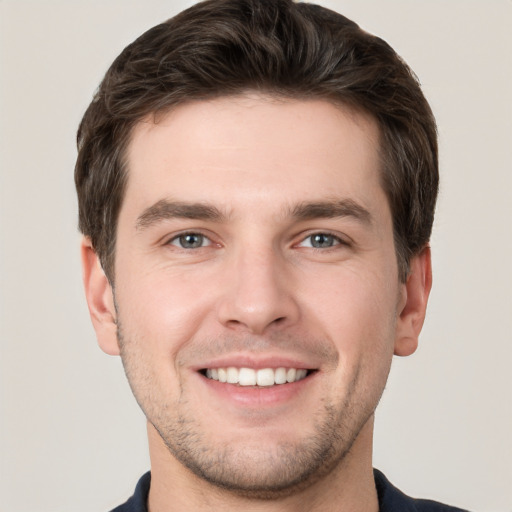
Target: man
x=257, y=183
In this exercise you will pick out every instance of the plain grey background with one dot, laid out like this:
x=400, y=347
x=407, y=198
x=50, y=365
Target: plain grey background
x=72, y=437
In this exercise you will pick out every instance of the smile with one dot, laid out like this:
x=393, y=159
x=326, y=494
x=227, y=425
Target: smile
x=263, y=377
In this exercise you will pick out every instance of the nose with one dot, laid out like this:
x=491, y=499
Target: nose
x=258, y=293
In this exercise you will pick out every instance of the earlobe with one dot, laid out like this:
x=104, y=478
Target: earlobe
x=100, y=299
x=414, y=304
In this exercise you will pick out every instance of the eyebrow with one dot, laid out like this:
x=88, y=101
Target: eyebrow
x=332, y=209
x=166, y=209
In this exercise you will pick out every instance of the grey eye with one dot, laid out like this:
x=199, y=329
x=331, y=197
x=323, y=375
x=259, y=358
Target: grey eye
x=323, y=240
x=190, y=241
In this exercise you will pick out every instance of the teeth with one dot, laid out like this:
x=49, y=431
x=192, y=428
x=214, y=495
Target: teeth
x=265, y=377
x=223, y=375
x=250, y=377
x=232, y=375
x=246, y=377
x=301, y=374
x=280, y=376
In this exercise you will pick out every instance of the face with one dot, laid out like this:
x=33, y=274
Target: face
x=257, y=297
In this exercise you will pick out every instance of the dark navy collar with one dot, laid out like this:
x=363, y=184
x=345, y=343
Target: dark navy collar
x=138, y=502
x=391, y=499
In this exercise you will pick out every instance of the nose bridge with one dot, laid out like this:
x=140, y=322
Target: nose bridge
x=258, y=292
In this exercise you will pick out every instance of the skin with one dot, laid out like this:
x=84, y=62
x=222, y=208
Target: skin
x=256, y=292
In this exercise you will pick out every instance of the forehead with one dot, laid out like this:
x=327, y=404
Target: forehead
x=237, y=149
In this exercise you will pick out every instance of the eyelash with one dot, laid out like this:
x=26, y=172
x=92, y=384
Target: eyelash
x=178, y=239
x=337, y=241
x=182, y=236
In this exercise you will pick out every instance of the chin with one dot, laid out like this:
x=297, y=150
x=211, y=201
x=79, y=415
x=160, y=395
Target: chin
x=264, y=468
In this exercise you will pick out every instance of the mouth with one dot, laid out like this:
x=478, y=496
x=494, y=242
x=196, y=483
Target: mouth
x=260, y=378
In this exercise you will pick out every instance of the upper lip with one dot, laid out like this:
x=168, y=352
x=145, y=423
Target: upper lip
x=257, y=362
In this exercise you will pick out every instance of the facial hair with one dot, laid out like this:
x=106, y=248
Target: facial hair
x=253, y=470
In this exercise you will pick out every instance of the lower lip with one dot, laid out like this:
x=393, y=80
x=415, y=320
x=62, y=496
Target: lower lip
x=252, y=396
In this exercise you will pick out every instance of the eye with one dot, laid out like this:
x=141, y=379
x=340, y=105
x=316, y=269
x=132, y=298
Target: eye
x=190, y=241
x=321, y=241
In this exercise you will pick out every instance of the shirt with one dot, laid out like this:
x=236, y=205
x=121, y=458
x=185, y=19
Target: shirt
x=391, y=499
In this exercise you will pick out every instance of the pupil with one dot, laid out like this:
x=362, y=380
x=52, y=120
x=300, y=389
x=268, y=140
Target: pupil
x=322, y=240
x=191, y=241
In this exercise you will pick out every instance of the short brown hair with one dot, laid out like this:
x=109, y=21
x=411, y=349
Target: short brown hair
x=278, y=47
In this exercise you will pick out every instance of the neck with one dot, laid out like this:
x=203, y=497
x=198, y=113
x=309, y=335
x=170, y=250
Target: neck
x=350, y=486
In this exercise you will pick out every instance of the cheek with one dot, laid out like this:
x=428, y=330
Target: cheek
x=159, y=313
x=353, y=303
x=357, y=313
x=164, y=308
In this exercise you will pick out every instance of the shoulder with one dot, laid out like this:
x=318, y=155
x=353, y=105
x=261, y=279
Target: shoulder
x=392, y=499
x=138, y=502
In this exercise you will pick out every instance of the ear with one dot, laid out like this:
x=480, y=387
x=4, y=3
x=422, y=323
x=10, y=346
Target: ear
x=100, y=299
x=413, y=305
